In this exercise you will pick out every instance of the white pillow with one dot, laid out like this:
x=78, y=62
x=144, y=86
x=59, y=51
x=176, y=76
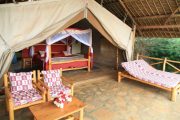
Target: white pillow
x=42, y=53
x=66, y=53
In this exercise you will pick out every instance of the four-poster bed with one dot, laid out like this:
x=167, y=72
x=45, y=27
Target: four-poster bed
x=70, y=61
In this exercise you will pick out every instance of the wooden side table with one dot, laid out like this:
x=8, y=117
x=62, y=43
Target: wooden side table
x=49, y=111
x=27, y=63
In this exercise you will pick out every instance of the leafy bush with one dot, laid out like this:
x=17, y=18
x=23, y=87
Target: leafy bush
x=160, y=48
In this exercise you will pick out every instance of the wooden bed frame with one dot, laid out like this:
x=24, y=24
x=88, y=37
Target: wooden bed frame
x=88, y=60
x=165, y=62
x=56, y=50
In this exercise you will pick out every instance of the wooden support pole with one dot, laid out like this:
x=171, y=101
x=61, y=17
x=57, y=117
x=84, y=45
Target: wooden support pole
x=39, y=75
x=34, y=76
x=7, y=105
x=137, y=57
x=81, y=114
x=119, y=77
x=163, y=31
x=156, y=16
x=157, y=26
x=152, y=58
x=72, y=90
x=60, y=71
x=50, y=64
x=176, y=10
x=173, y=61
x=173, y=94
x=11, y=110
x=129, y=14
x=173, y=66
x=117, y=58
x=164, y=64
x=133, y=35
x=5, y=80
x=89, y=59
x=156, y=63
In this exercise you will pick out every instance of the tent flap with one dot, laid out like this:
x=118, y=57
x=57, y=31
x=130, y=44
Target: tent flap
x=118, y=30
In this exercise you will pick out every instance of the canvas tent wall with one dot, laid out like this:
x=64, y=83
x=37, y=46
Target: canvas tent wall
x=28, y=23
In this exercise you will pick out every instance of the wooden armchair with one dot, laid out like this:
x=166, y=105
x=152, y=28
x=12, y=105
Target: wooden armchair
x=22, y=91
x=52, y=90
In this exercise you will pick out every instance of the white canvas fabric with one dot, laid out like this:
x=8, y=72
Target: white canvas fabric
x=28, y=23
x=119, y=31
x=25, y=24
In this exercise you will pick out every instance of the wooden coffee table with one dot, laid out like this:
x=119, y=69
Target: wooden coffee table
x=49, y=111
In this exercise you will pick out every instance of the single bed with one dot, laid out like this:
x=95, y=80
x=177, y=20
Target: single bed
x=141, y=71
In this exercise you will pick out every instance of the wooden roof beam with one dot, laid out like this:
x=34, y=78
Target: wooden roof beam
x=129, y=14
x=156, y=16
x=158, y=26
x=127, y=11
x=162, y=31
x=171, y=14
x=130, y=1
x=111, y=2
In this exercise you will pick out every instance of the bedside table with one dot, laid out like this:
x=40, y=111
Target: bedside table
x=27, y=63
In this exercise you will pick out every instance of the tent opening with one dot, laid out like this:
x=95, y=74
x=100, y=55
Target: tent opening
x=105, y=54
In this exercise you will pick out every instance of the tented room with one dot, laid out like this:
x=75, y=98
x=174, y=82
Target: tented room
x=104, y=56
x=89, y=60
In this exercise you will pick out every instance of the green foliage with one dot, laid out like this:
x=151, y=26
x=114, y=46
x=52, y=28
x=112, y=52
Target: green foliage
x=160, y=48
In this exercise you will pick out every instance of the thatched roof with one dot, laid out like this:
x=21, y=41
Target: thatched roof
x=153, y=18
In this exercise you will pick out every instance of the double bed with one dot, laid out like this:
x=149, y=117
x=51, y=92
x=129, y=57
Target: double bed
x=72, y=62
x=63, y=49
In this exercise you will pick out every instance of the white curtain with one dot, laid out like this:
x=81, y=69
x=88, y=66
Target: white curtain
x=31, y=51
x=83, y=36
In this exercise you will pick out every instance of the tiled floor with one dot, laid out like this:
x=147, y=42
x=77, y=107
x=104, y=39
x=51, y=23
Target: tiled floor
x=108, y=100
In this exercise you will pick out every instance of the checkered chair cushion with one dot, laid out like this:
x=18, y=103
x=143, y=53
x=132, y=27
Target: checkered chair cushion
x=53, y=80
x=52, y=77
x=142, y=70
x=24, y=97
x=20, y=81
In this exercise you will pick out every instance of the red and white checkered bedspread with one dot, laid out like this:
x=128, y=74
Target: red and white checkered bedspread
x=142, y=70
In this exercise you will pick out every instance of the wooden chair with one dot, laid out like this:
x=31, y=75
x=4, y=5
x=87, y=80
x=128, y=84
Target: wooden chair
x=65, y=83
x=35, y=95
